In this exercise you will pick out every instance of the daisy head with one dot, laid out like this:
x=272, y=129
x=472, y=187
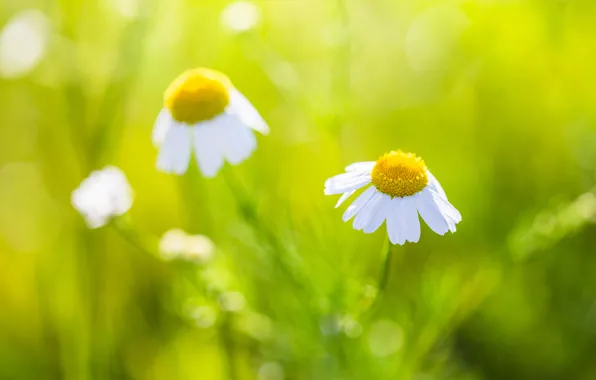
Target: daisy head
x=203, y=112
x=103, y=195
x=401, y=188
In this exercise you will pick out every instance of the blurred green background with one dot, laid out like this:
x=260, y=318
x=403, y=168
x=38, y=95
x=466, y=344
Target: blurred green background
x=498, y=97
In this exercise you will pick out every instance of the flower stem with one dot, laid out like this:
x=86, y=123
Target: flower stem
x=370, y=309
x=123, y=225
x=229, y=347
x=386, y=269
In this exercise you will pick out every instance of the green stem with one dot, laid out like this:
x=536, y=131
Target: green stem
x=148, y=244
x=341, y=68
x=229, y=347
x=386, y=269
x=369, y=310
x=107, y=132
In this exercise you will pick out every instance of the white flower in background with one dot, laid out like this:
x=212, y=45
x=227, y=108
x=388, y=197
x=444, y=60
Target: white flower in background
x=241, y=16
x=203, y=112
x=23, y=43
x=103, y=195
x=401, y=188
x=177, y=244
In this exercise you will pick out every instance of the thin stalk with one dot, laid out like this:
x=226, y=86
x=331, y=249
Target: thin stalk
x=384, y=274
x=386, y=268
x=229, y=347
x=126, y=229
x=120, y=84
x=247, y=210
x=341, y=68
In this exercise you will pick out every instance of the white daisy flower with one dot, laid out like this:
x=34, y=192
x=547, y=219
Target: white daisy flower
x=203, y=112
x=177, y=244
x=103, y=195
x=402, y=187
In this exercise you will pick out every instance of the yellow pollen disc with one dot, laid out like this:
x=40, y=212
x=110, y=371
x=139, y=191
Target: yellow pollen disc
x=399, y=174
x=198, y=95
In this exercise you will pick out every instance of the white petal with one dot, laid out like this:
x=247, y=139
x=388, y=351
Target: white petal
x=246, y=112
x=163, y=124
x=430, y=212
x=342, y=178
x=207, y=151
x=365, y=166
x=174, y=154
x=236, y=140
x=396, y=235
x=408, y=220
x=357, y=205
x=345, y=182
x=378, y=215
x=434, y=184
x=364, y=216
x=449, y=212
x=343, y=198
x=446, y=208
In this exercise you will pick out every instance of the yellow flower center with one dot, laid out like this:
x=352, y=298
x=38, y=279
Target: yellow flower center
x=198, y=95
x=399, y=174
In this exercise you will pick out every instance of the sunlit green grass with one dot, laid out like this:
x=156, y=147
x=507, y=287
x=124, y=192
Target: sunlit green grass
x=497, y=97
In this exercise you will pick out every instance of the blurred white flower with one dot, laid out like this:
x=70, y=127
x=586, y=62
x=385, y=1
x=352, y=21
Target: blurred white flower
x=401, y=188
x=172, y=244
x=241, y=16
x=232, y=301
x=199, y=248
x=103, y=195
x=23, y=43
x=177, y=244
x=271, y=371
x=203, y=112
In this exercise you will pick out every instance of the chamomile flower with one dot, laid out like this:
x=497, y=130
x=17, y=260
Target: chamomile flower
x=402, y=187
x=177, y=244
x=203, y=112
x=103, y=195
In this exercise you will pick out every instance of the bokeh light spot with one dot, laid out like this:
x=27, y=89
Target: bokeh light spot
x=271, y=371
x=385, y=338
x=241, y=16
x=23, y=43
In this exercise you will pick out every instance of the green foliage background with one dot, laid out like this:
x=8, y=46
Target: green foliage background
x=498, y=97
